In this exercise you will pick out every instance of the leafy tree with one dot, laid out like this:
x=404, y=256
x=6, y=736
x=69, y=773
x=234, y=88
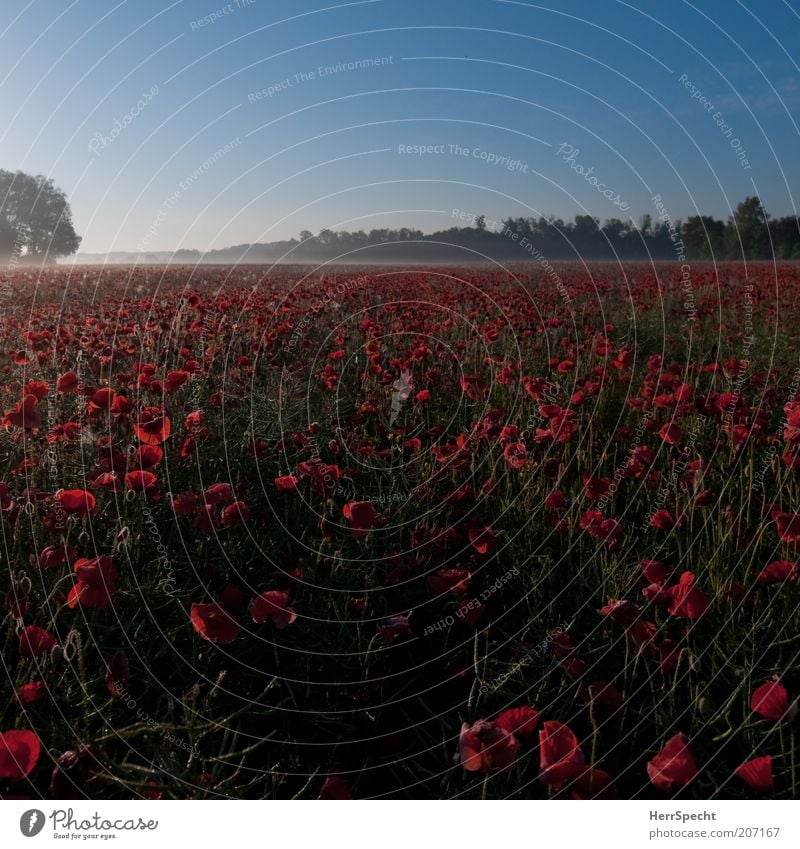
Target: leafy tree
x=703, y=237
x=35, y=218
x=785, y=234
x=747, y=233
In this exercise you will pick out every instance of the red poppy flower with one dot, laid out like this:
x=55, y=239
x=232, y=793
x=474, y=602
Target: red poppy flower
x=560, y=756
x=33, y=693
x=152, y=426
x=555, y=500
x=193, y=421
x=141, y=481
x=622, y=611
x=34, y=641
x=662, y=520
x=335, y=788
x=360, y=516
x=778, y=572
x=393, y=628
x=673, y=767
x=688, y=602
x=323, y=477
x=605, y=693
x=273, y=605
x=101, y=400
x=213, y=623
x=55, y=555
x=234, y=514
x=669, y=654
x=788, y=526
x=656, y=571
x=118, y=674
x=185, y=503
x=515, y=455
x=522, y=721
x=575, y=666
x=37, y=388
x=121, y=408
x=68, y=382
x=148, y=456
x=19, y=752
x=757, y=774
x=484, y=745
x=770, y=701
x=473, y=387
x=218, y=493
x=481, y=538
x=286, y=483
x=77, y=502
x=207, y=521
x=67, y=432
x=595, y=488
x=592, y=783
x=454, y=581
x=176, y=379
x=96, y=582
x=596, y=526
x=671, y=434
x=24, y=415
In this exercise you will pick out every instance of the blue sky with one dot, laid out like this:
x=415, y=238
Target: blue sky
x=204, y=124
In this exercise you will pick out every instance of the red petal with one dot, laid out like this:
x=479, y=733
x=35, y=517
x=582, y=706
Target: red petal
x=19, y=752
x=757, y=773
x=673, y=767
x=770, y=701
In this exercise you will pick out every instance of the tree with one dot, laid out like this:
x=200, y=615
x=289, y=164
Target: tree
x=615, y=229
x=703, y=237
x=586, y=225
x=35, y=218
x=786, y=236
x=747, y=232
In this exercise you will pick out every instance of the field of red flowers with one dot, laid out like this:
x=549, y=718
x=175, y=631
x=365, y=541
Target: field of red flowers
x=435, y=533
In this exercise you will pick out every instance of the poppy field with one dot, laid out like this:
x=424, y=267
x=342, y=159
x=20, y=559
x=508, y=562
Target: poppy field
x=400, y=533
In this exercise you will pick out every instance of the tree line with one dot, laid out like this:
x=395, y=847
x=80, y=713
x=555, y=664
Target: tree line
x=749, y=233
x=36, y=225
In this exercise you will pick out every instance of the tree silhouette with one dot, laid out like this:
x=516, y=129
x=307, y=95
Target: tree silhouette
x=704, y=237
x=35, y=219
x=747, y=233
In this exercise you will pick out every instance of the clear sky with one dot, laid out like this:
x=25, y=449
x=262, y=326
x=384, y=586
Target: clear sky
x=200, y=123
